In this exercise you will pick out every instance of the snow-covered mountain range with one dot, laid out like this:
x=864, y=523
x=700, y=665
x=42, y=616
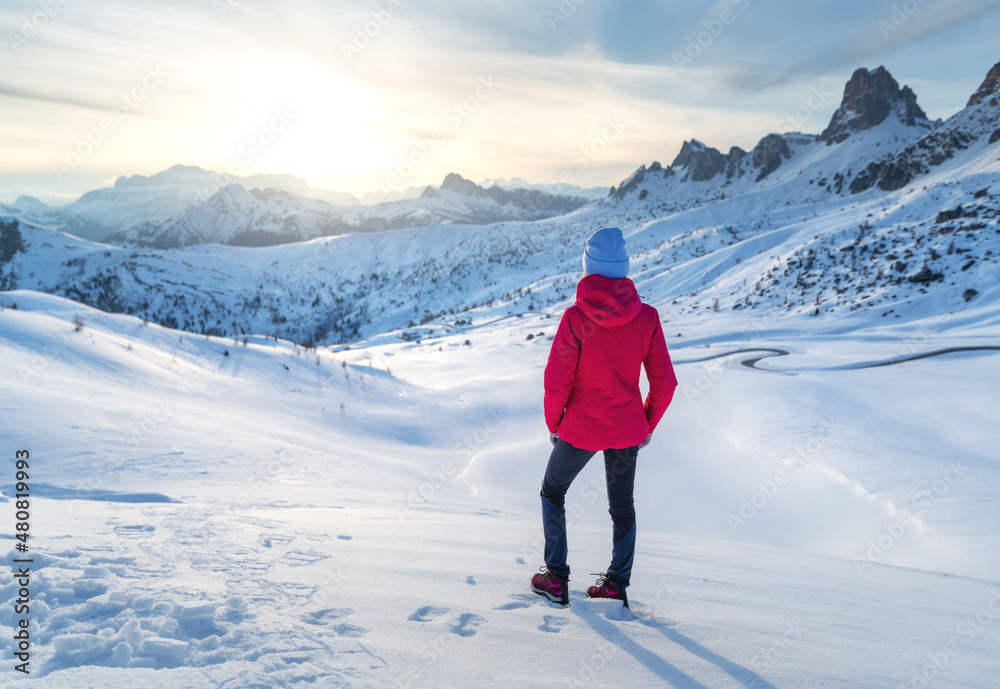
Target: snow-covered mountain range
x=187, y=205
x=262, y=217
x=802, y=223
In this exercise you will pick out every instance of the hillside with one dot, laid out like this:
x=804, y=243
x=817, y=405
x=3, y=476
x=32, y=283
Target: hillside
x=796, y=239
x=215, y=513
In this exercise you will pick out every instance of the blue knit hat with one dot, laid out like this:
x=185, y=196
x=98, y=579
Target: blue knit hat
x=605, y=254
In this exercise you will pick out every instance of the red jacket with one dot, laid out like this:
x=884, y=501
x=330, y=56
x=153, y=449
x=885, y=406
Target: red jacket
x=592, y=396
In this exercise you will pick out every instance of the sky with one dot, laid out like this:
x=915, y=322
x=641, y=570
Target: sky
x=381, y=95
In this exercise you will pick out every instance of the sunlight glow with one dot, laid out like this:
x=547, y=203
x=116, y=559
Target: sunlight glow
x=317, y=123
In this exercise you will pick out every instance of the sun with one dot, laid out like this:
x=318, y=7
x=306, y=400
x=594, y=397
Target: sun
x=316, y=123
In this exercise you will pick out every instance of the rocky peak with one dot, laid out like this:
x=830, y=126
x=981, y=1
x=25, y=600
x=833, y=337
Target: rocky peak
x=703, y=163
x=990, y=86
x=768, y=154
x=688, y=151
x=460, y=185
x=869, y=97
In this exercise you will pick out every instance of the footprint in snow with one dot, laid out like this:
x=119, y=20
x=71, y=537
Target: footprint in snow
x=524, y=600
x=328, y=618
x=271, y=540
x=327, y=615
x=467, y=624
x=427, y=613
x=470, y=580
x=297, y=558
x=552, y=624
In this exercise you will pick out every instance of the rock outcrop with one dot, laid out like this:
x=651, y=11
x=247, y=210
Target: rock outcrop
x=768, y=154
x=989, y=87
x=703, y=163
x=869, y=98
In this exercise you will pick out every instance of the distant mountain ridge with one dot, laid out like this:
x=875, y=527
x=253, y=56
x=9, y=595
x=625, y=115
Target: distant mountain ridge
x=264, y=217
x=141, y=208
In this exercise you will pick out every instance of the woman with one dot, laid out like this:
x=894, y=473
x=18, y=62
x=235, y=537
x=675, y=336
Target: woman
x=593, y=402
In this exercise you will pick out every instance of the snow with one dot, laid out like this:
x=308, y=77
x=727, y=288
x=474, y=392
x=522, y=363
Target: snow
x=817, y=509
x=811, y=526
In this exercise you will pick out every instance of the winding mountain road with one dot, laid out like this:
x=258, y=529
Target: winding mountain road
x=769, y=352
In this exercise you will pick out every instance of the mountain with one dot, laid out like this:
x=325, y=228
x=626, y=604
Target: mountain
x=558, y=188
x=876, y=121
x=778, y=230
x=869, y=98
x=976, y=126
x=263, y=217
x=989, y=88
x=371, y=198
x=186, y=204
x=32, y=210
x=234, y=215
x=141, y=201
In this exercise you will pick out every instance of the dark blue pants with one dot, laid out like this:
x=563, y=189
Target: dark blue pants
x=565, y=463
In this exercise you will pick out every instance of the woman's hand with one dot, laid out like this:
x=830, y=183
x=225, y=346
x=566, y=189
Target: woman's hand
x=645, y=442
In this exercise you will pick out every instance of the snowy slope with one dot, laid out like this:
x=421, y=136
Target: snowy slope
x=208, y=513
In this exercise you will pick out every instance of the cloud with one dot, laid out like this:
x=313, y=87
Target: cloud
x=53, y=98
x=874, y=36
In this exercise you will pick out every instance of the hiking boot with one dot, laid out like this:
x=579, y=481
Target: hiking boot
x=605, y=589
x=552, y=586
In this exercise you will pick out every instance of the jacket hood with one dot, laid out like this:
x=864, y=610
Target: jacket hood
x=608, y=301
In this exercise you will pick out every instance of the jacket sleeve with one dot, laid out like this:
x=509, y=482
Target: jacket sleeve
x=661, y=377
x=560, y=372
